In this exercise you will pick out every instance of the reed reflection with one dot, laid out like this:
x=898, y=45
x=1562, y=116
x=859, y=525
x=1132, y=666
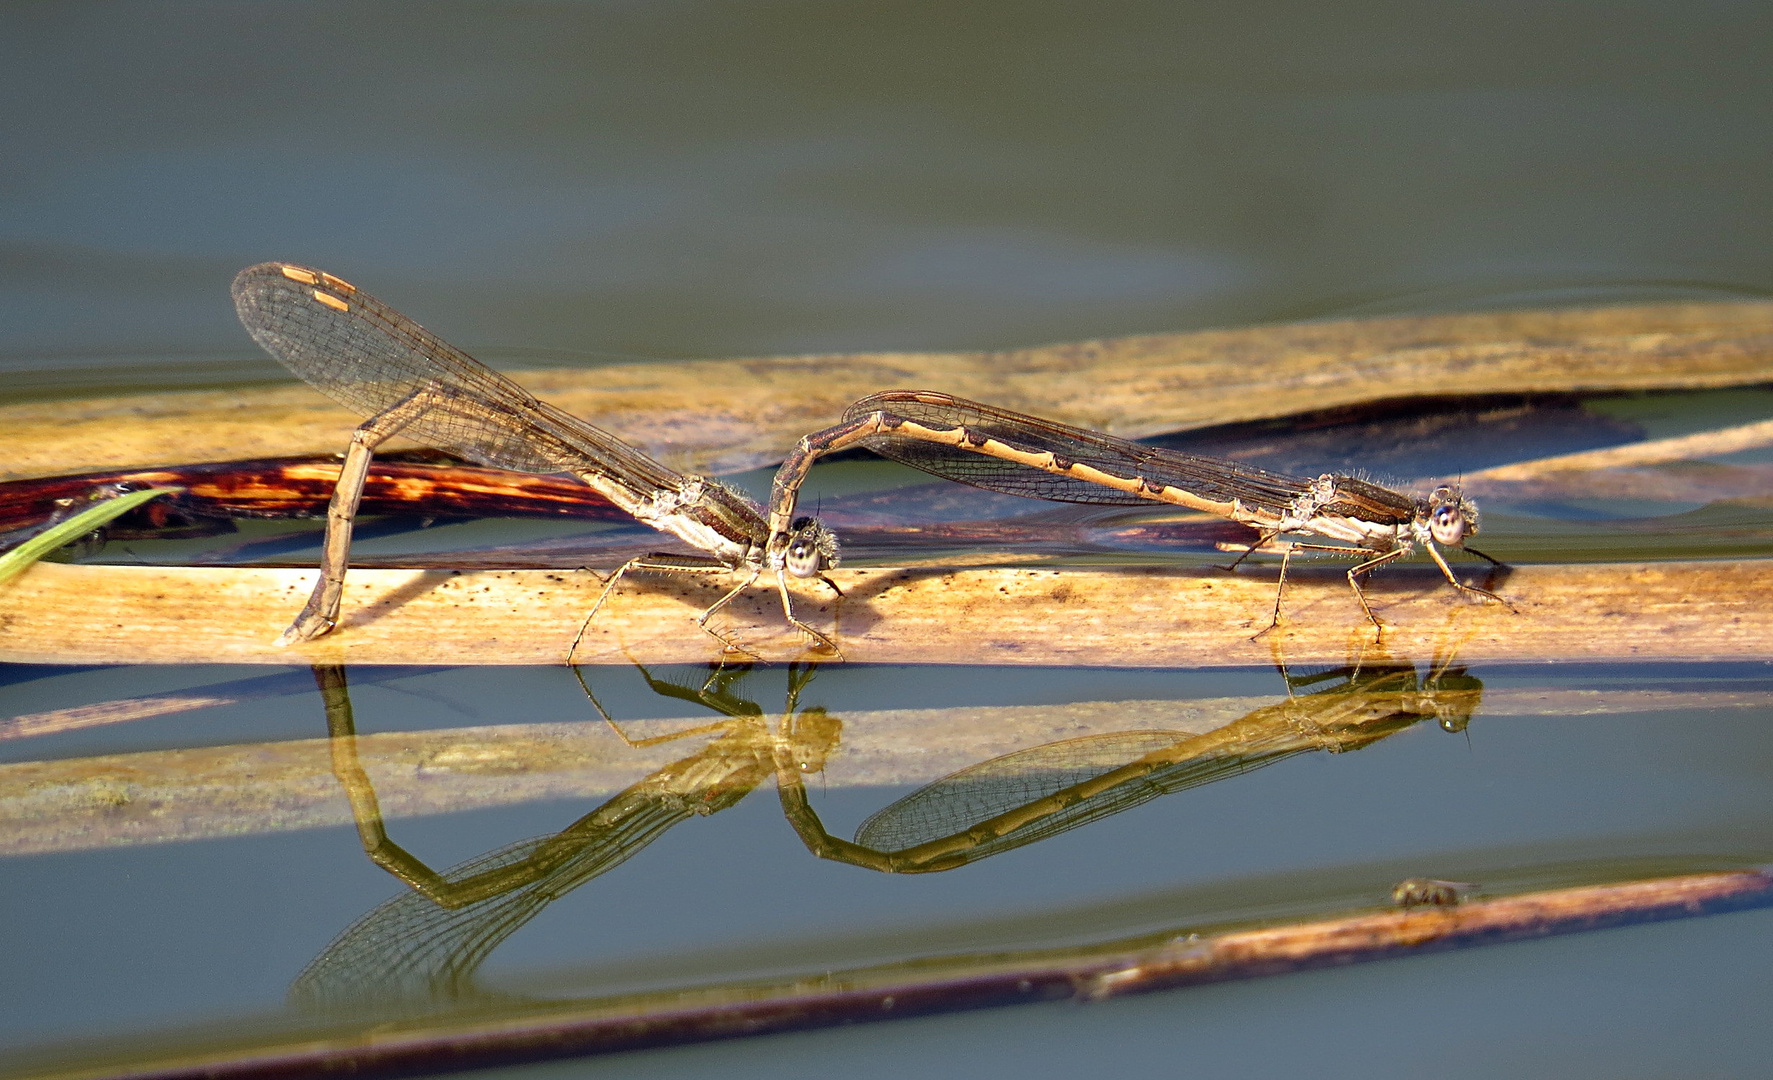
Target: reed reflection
x=425, y=945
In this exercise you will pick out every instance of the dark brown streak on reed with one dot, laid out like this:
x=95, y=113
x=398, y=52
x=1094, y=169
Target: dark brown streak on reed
x=300, y=487
x=279, y=488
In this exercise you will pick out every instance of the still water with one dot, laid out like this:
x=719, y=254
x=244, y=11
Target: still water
x=560, y=184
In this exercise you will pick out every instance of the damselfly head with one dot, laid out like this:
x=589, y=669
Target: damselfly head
x=812, y=735
x=1451, y=516
x=811, y=548
x=1452, y=696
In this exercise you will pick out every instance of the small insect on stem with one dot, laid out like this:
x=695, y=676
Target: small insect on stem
x=1430, y=892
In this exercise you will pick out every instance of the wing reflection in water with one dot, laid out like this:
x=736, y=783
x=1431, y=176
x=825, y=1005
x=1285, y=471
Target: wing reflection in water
x=422, y=948
x=426, y=944
x=1032, y=794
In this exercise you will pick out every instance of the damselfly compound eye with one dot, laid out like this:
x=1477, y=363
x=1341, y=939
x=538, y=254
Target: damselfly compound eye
x=1447, y=525
x=811, y=548
x=804, y=559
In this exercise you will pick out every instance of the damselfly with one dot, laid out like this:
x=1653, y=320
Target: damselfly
x=378, y=363
x=1012, y=452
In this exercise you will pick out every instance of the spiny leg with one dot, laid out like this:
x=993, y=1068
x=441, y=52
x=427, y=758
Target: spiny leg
x=730, y=644
x=1490, y=559
x=1279, y=587
x=731, y=594
x=1366, y=568
x=1262, y=541
x=1462, y=586
x=788, y=613
x=321, y=612
x=659, y=563
x=609, y=585
x=1334, y=549
x=719, y=674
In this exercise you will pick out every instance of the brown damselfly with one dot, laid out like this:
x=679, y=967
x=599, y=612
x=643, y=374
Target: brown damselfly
x=378, y=363
x=1012, y=452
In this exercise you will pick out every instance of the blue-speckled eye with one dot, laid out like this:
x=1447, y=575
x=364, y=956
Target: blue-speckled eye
x=811, y=548
x=1447, y=525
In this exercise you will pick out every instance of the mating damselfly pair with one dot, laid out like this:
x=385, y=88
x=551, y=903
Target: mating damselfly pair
x=381, y=364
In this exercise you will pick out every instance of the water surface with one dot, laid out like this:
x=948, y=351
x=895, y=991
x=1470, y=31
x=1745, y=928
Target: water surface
x=556, y=184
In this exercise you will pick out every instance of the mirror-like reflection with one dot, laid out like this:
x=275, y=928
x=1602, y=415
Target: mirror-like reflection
x=426, y=944
x=1019, y=798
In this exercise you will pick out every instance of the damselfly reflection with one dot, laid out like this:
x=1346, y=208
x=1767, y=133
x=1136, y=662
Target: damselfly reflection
x=428, y=942
x=377, y=362
x=1013, y=452
x=1015, y=800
